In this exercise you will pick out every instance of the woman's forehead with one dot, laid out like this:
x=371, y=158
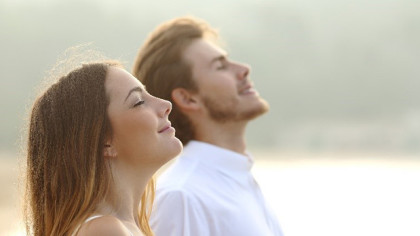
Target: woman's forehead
x=120, y=82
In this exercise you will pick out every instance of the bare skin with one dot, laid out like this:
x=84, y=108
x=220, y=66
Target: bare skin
x=226, y=99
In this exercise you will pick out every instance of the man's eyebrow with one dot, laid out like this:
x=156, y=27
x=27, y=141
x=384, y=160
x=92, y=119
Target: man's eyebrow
x=219, y=58
x=136, y=89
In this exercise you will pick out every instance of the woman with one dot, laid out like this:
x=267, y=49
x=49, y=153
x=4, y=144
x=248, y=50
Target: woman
x=96, y=137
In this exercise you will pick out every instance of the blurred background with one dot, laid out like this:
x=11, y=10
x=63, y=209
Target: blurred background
x=339, y=151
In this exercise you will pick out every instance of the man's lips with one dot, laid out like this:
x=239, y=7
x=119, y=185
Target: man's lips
x=248, y=89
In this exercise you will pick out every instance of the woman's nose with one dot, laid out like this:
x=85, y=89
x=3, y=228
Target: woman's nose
x=167, y=107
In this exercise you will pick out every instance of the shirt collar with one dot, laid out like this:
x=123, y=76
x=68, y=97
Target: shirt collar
x=217, y=157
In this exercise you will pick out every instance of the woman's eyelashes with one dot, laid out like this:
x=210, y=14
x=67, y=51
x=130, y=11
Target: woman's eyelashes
x=138, y=103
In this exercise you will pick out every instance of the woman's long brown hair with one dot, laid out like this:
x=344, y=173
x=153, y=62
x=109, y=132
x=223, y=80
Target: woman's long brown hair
x=67, y=174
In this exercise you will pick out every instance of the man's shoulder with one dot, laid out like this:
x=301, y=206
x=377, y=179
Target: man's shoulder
x=183, y=180
x=180, y=174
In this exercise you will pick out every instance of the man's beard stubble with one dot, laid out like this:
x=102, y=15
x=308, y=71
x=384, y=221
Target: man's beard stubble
x=225, y=114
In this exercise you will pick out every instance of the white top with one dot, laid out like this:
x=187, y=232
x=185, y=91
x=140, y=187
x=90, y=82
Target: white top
x=211, y=191
x=87, y=220
x=92, y=218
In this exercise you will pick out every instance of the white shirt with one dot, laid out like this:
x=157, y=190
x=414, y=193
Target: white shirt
x=211, y=191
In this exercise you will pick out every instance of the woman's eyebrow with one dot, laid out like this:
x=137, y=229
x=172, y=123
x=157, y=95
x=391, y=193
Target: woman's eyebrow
x=136, y=89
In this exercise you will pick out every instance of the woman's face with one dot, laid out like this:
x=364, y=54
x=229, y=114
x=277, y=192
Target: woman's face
x=141, y=132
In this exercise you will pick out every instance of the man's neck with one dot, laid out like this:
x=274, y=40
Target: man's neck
x=230, y=136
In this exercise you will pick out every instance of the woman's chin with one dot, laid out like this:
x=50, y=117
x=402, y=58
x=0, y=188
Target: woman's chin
x=177, y=148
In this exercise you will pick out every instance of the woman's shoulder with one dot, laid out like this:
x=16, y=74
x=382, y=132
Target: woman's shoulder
x=103, y=225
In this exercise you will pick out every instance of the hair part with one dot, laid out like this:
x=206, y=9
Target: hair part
x=161, y=68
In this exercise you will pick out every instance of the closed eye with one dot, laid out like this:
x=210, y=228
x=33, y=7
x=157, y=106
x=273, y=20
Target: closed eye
x=223, y=64
x=138, y=103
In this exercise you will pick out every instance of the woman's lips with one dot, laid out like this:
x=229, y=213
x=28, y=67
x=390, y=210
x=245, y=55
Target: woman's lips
x=166, y=128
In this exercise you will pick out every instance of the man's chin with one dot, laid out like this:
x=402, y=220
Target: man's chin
x=263, y=108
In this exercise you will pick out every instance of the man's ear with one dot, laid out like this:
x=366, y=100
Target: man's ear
x=109, y=151
x=185, y=99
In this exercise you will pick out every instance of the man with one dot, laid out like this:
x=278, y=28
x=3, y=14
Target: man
x=209, y=190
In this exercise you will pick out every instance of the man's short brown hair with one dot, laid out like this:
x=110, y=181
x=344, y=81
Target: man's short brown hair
x=160, y=67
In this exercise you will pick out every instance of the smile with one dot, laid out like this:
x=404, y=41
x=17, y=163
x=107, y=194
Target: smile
x=167, y=127
x=247, y=90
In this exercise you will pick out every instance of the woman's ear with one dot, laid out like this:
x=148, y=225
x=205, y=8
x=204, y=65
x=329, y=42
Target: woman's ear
x=109, y=151
x=185, y=99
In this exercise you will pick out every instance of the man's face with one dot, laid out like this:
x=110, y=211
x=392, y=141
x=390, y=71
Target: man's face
x=223, y=85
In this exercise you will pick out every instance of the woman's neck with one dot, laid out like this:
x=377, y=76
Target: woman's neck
x=126, y=191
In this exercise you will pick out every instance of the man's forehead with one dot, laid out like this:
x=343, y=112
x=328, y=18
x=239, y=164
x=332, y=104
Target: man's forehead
x=203, y=49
